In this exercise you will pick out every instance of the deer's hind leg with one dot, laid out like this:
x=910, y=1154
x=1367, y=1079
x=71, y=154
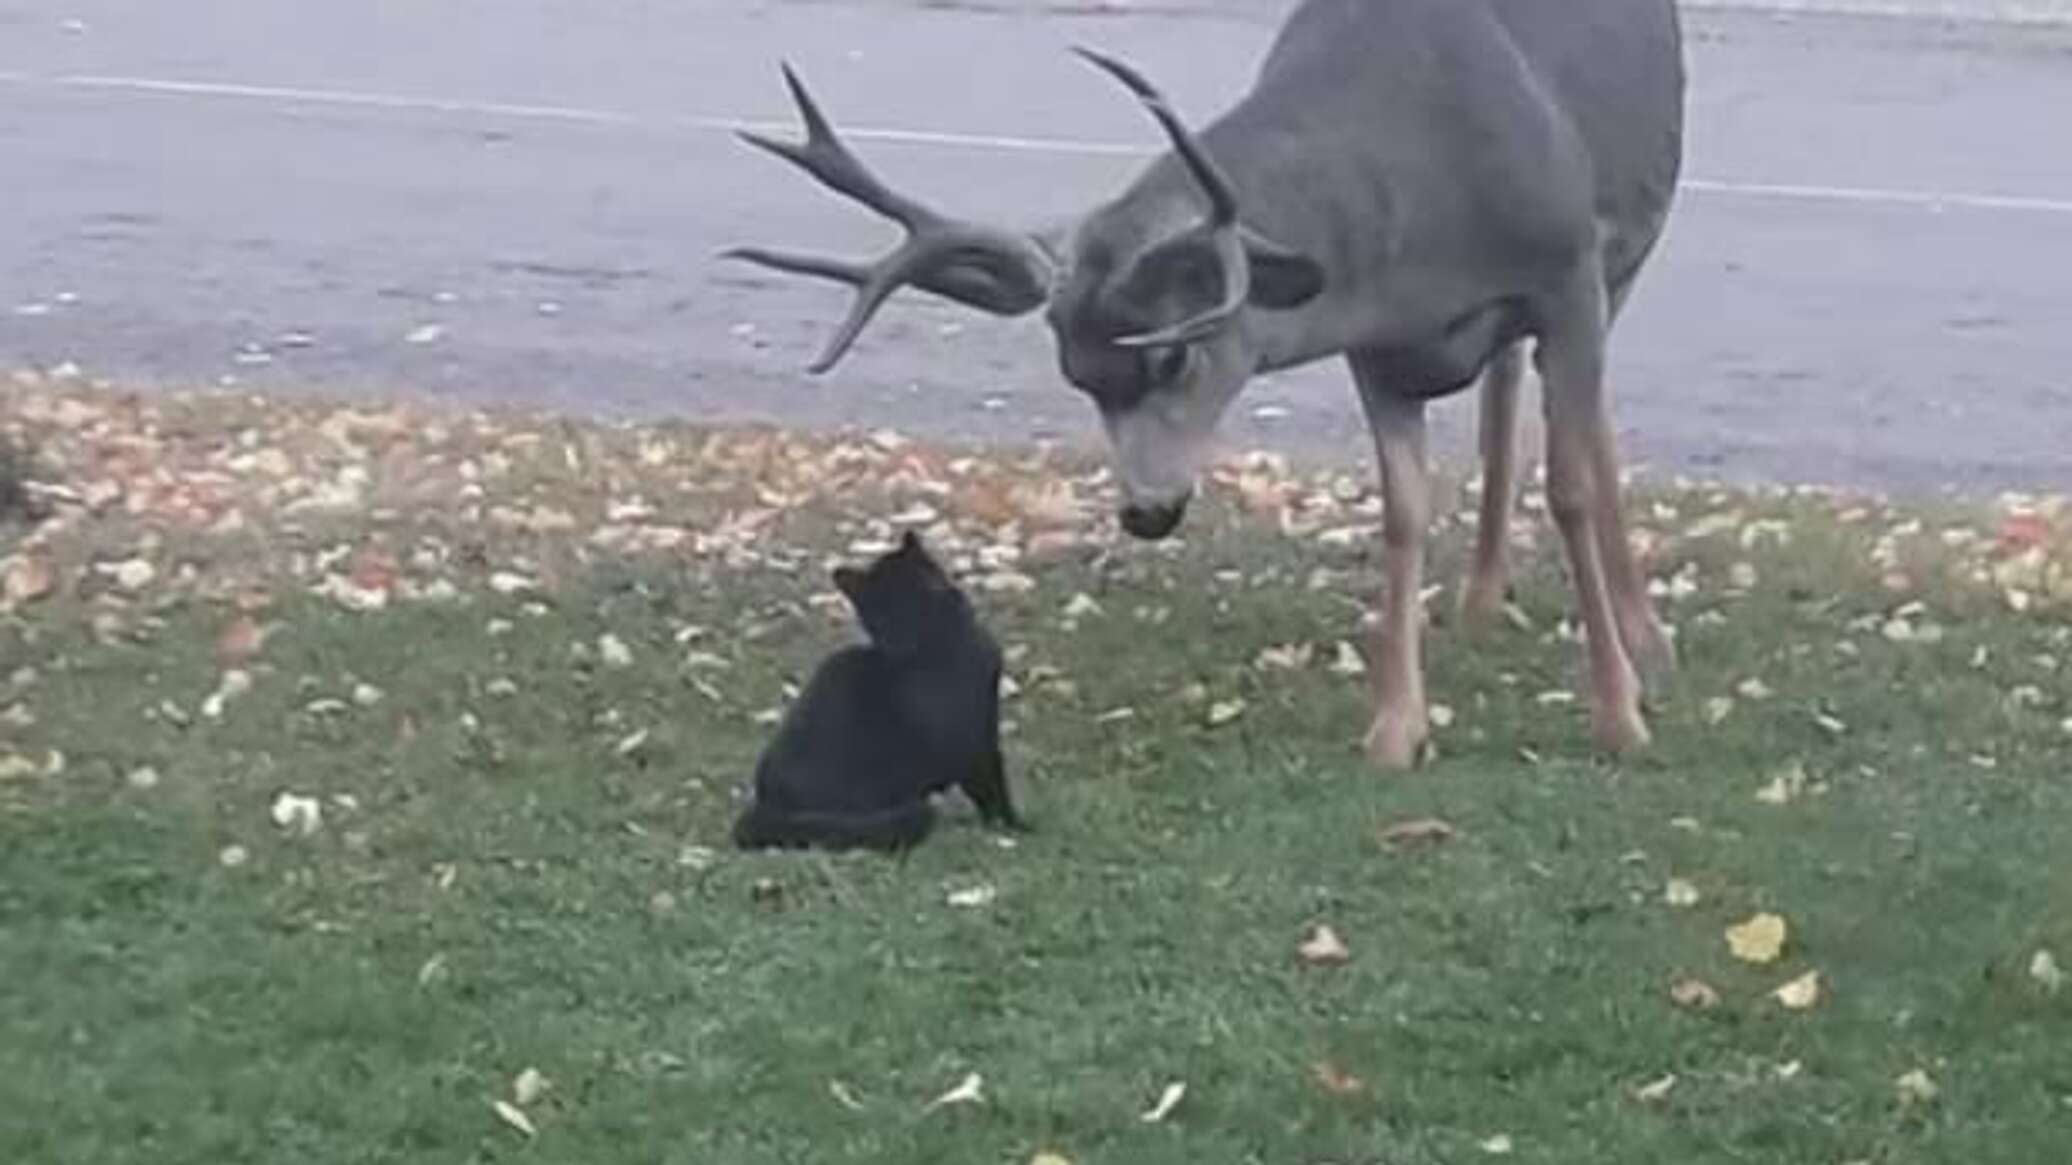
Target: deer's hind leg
x=1489, y=572
x=1583, y=494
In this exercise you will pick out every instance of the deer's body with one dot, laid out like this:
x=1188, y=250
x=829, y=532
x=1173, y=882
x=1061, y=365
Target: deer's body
x=1421, y=186
x=1440, y=159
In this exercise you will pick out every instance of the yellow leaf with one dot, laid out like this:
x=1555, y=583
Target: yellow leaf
x=1785, y=787
x=1758, y=940
x=969, y=1090
x=1167, y=1101
x=1335, y=1080
x=1323, y=948
x=1695, y=994
x=1801, y=993
x=2045, y=970
x=1224, y=711
x=514, y=1116
x=1655, y=1090
x=1496, y=1146
x=1917, y=1087
x=529, y=1086
x=1680, y=892
x=1418, y=831
x=1050, y=1159
x=26, y=579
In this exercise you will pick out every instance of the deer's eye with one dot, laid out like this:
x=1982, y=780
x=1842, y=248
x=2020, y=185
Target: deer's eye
x=1164, y=365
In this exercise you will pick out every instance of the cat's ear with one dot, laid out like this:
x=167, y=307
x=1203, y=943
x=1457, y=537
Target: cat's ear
x=910, y=542
x=847, y=580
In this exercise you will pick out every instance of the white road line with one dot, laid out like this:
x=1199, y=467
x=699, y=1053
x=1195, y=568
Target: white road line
x=280, y=95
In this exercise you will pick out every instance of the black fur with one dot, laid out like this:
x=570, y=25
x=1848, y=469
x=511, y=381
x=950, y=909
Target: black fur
x=882, y=725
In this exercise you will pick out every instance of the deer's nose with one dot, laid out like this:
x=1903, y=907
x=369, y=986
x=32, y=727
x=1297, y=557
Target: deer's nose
x=1153, y=522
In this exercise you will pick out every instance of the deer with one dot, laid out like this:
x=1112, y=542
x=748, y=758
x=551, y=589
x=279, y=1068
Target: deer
x=1438, y=192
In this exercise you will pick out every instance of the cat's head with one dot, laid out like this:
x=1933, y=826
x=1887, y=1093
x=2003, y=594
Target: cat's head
x=905, y=599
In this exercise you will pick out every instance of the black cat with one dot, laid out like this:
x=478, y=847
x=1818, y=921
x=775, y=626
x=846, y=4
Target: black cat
x=882, y=725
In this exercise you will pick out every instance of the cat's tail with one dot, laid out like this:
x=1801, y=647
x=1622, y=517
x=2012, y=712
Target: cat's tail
x=898, y=828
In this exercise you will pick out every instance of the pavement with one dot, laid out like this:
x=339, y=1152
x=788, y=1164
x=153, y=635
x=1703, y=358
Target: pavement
x=1866, y=281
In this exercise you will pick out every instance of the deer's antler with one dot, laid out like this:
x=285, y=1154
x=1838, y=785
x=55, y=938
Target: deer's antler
x=1220, y=231
x=979, y=266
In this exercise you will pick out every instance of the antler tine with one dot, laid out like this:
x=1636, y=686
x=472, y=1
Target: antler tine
x=984, y=267
x=1222, y=199
x=797, y=263
x=1221, y=229
x=828, y=159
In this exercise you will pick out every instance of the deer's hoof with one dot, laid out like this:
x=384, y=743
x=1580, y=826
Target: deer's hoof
x=1397, y=743
x=1482, y=605
x=1620, y=729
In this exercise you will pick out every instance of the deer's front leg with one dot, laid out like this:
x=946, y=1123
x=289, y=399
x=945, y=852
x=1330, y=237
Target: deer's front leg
x=1397, y=738
x=1489, y=572
x=1583, y=495
x=1647, y=642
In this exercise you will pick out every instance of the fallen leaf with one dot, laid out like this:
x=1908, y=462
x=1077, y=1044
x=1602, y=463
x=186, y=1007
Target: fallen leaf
x=132, y=574
x=1496, y=1146
x=843, y=1096
x=1758, y=940
x=506, y=582
x=1718, y=708
x=1417, y=831
x=298, y=814
x=1655, y=1090
x=980, y=895
x=1694, y=994
x=1680, y=893
x=1917, y=1087
x=1441, y=716
x=1801, y=993
x=1289, y=657
x=1082, y=605
x=424, y=334
x=1347, y=660
x=514, y=1116
x=1753, y=689
x=613, y=651
x=1323, y=948
x=1224, y=711
x=529, y=1086
x=1050, y=1159
x=1785, y=787
x=28, y=578
x=970, y=1090
x=1167, y=1101
x=1335, y=1080
x=143, y=779
x=233, y=856
x=2043, y=968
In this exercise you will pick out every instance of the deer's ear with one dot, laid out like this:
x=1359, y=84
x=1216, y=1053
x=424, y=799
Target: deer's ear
x=1281, y=278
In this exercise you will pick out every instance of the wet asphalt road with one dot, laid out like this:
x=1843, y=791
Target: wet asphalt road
x=1869, y=280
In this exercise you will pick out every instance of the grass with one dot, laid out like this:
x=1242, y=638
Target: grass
x=521, y=860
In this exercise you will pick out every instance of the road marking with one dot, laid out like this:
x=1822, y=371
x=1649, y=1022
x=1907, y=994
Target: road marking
x=281, y=95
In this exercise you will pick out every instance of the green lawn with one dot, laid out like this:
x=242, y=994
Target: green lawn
x=521, y=858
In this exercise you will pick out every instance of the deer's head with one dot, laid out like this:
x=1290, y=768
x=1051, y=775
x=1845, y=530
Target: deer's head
x=1146, y=296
